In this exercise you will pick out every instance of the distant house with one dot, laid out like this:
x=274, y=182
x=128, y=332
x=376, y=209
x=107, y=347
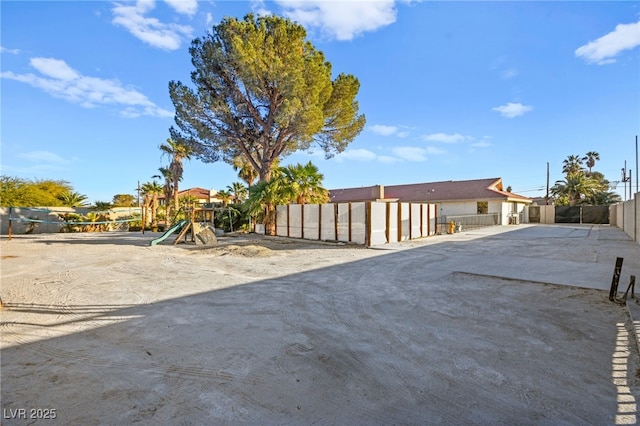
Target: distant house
x=202, y=195
x=453, y=198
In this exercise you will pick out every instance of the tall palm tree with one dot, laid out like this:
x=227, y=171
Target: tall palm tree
x=167, y=190
x=591, y=158
x=150, y=191
x=572, y=165
x=303, y=184
x=238, y=191
x=178, y=153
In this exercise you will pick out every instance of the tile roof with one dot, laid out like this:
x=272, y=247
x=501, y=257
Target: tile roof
x=460, y=190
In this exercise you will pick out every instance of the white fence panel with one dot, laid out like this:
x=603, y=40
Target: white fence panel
x=282, y=223
x=358, y=223
x=378, y=224
x=328, y=225
x=311, y=221
x=343, y=222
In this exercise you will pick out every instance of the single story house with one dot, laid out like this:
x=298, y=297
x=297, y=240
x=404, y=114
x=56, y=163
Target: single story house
x=454, y=199
x=202, y=195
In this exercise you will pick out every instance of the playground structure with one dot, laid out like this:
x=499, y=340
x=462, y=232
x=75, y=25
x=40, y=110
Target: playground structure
x=199, y=227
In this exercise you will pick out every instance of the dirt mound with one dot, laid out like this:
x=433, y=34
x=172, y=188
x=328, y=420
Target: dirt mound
x=241, y=250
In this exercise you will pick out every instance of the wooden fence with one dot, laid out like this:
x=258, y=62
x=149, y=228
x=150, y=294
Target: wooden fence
x=369, y=223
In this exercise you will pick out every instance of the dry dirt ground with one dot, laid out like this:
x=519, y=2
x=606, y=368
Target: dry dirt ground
x=506, y=325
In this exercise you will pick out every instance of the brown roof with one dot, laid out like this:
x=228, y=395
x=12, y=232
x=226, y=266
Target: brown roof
x=199, y=193
x=461, y=190
x=365, y=193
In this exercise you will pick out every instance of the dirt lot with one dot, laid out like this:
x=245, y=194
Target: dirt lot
x=506, y=325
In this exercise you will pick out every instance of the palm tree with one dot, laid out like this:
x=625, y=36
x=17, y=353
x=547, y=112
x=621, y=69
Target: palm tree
x=238, y=192
x=167, y=190
x=151, y=190
x=245, y=170
x=572, y=165
x=178, y=152
x=225, y=197
x=73, y=199
x=591, y=159
x=303, y=184
x=263, y=199
x=574, y=189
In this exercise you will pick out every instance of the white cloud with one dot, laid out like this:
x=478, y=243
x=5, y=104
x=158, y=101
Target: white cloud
x=509, y=73
x=511, y=110
x=61, y=81
x=444, y=137
x=356, y=155
x=383, y=130
x=12, y=51
x=386, y=159
x=434, y=150
x=150, y=30
x=186, y=7
x=604, y=49
x=341, y=20
x=410, y=153
x=44, y=157
x=481, y=144
x=209, y=18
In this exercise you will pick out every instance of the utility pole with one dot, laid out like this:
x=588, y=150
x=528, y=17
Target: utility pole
x=546, y=198
x=637, y=190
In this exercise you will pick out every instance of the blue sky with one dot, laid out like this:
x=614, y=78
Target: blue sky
x=450, y=90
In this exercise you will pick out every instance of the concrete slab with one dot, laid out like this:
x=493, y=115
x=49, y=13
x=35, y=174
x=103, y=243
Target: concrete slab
x=506, y=325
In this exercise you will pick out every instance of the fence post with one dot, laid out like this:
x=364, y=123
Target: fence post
x=10, y=228
x=349, y=220
x=302, y=220
x=320, y=222
x=399, y=221
x=388, y=221
x=335, y=220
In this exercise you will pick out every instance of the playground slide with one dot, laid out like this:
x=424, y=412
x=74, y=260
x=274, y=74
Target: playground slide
x=178, y=226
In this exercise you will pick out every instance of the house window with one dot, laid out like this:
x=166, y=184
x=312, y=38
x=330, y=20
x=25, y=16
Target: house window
x=483, y=207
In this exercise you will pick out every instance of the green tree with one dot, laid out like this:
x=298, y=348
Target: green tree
x=123, y=200
x=178, y=151
x=245, y=170
x=572, y=165
x=150, y=191
x=590, y=159
x=104, y=205
x=263, y=199
x=73, y=199
x=302, y=184
x=225, y=197
x=238, y=192
x=19, y=192
x=167, y=190
x=263, y=92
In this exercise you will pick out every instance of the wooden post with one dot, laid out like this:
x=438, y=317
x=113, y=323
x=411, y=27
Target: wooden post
x=388, y=222
x=320, y=221
x=302, y=220
x=349, y=220
x=10, y=228
x=288, y=222
x=335, y=220
x=399, y=221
